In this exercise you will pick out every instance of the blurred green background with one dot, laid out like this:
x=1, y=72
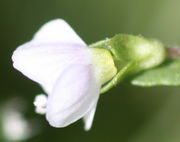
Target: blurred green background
x=126, y=113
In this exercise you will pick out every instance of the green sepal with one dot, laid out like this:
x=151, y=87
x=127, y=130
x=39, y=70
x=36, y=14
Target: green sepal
x=117, y=78
x=166, y=74
x=131, y=54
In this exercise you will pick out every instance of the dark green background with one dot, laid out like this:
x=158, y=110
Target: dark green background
x=126, y=113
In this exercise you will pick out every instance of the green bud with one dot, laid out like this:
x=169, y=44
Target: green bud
x=145, y=53
x=131, y=54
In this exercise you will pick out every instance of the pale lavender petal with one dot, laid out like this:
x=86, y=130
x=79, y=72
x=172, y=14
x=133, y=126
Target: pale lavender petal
x=75, y=93
x=58, y=31
x=52, y=49
x=44, y=63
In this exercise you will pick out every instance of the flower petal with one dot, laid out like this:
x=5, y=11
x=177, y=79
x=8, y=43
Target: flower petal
x=76, y=92
x=58, y=31
x=50, y=51
x=44, y=63
x=88, y=119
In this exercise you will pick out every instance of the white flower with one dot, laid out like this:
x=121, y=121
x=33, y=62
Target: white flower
x=71, y=73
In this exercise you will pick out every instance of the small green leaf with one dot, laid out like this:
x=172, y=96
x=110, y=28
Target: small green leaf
x=166, y=74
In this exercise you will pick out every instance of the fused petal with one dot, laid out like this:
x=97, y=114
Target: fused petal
x=75, y=93
x=58, y=31
x=52, y=49
x=44, y=63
